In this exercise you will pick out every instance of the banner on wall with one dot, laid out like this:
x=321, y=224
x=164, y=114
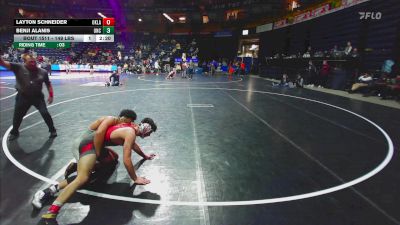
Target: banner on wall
x=321, y=10
x=302, y=17
x=263, y=28
x=78, y=67
x=348, y=3
x=280, y=24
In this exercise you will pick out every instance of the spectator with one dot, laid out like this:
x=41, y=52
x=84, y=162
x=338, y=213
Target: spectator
x=212, y=68
x=156, y=67
x=231, y=70
x=178, y=68
x=242, y=68
x=335, y=51
x=311, y=74
x=299, y=81
x=91, y=68
x=67, y=67
x=392, y=89
x=363, y=81
x=354, y=53
x=348, y=49
x=379, y=85
x=324, y=74
x=387, y=67
x=307, y=55
x=284, y=81
x=191, y=69
x=184, y=69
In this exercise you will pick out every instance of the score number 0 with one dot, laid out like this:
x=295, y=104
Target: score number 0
x=108, y=22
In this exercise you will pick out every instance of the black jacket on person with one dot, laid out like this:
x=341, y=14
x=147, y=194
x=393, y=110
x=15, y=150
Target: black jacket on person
x=114, y=79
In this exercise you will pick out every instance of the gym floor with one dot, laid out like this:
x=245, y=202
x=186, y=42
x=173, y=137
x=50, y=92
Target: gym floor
x=229, y=151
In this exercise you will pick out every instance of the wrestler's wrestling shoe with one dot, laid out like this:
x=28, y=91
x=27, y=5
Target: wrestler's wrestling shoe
x=52, y=221
x=41, y=197
x=49, y=215
x=50, y=218
x=53, y=134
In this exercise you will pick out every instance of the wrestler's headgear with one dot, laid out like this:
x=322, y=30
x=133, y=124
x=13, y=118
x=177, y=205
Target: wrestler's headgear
x=146, y=127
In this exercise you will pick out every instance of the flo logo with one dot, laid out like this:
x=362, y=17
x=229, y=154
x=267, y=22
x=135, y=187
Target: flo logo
x=370, y=15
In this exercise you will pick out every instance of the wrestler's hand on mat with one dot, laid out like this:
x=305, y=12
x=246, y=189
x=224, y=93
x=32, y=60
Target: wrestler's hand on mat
x=150, y=157
x=142, y=181
x=50, y=100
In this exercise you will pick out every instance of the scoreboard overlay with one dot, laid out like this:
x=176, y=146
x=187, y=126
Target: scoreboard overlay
x=60, y=33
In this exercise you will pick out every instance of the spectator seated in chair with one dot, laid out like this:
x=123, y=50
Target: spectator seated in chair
x=380, y=85
x=392, y=89
x=363, y=81
x=284, y=81
x=299, y=81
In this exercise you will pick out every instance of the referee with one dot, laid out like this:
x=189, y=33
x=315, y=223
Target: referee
x=29, y=80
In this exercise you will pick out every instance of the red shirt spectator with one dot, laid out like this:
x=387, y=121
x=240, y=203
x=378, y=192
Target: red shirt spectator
x=231, y=70
x=242, y=66
x=325, y=68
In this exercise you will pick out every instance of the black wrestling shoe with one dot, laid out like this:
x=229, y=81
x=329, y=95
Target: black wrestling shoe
x=53, y=134
x=13, y=137
x=41, y=197
x=49, y=221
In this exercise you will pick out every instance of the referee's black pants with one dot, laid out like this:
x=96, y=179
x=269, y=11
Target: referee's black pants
x=22, y=105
